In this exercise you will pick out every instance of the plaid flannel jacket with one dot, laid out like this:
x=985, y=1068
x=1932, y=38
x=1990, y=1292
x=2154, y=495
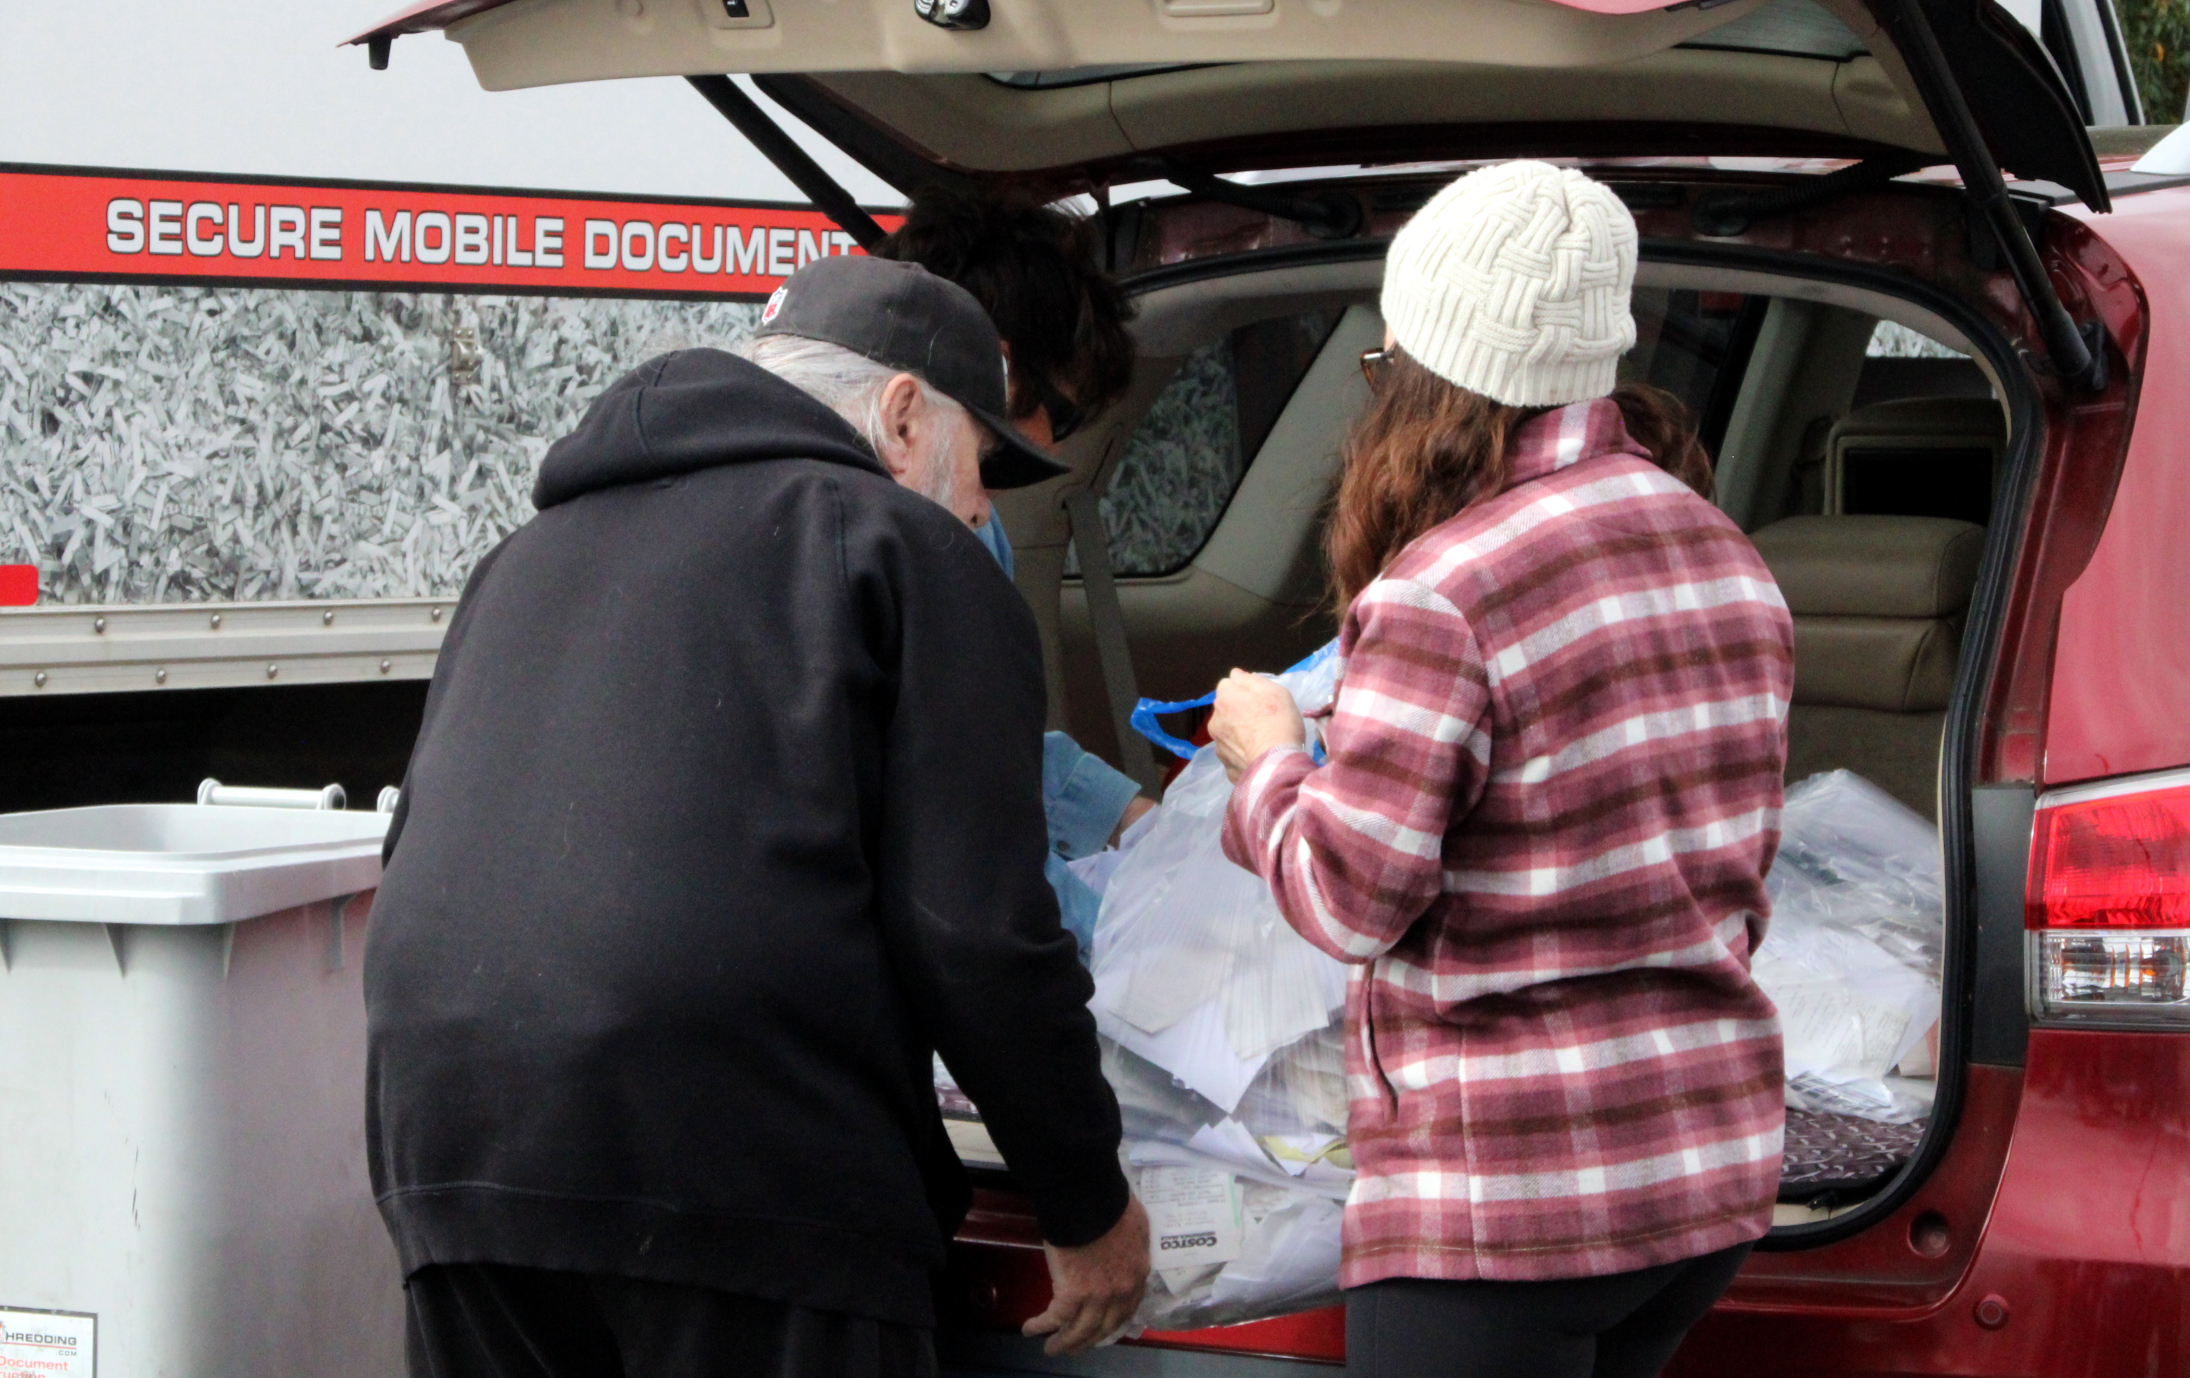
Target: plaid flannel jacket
x=1552, y=793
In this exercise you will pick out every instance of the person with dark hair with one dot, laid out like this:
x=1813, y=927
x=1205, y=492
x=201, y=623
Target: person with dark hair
x=1033, y=269
x=1551, y=795
x=1062, y=319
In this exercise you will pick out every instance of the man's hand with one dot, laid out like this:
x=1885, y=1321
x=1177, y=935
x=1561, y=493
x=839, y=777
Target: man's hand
x=1135, y=807
x=1254, y=713
x=1095, y=1288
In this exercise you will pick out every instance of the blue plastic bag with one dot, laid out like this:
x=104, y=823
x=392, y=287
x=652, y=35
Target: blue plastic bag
x=1318, y=671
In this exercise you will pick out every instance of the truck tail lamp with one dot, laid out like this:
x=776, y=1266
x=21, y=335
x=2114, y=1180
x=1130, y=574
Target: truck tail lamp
x=2108, y=905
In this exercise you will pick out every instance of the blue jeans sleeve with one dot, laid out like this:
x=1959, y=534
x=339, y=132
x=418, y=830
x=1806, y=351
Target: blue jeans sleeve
x=1082, y=795
x=1077, y=905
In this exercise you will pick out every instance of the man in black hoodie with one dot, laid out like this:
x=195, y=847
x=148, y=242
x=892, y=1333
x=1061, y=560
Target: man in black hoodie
x=726, y=815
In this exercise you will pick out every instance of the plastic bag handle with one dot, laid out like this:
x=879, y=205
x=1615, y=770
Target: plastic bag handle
x=1145, y=712
x=1144, y=722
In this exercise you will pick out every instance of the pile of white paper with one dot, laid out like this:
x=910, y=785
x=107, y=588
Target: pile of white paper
x=1852, y=956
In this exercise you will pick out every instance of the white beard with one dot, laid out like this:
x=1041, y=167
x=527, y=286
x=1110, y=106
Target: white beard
x=939, y=480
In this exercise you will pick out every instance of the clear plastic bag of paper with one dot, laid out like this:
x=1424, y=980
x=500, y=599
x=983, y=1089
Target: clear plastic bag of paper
x=1244, y=1208
x=1231, y=1247
x=1853, y=856
x=1852, y=956
x=1222, y=1039
x=1194, y=967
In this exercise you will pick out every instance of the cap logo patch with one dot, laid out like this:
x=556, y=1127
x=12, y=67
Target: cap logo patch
x=775, y=304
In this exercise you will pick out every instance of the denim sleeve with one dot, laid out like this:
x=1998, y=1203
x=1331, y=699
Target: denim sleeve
x=1077, y=906
x=1082, y=795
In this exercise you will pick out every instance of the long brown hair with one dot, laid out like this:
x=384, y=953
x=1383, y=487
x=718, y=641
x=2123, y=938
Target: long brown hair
x=1423, y=450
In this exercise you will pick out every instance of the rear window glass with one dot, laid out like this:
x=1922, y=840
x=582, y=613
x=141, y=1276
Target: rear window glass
x=1794, y=28
x=1893, y=340
x=1187, y=457
x=1084, y=76
x=187, y=444
x=1695, y=345
x=1190, y=451
x=1900, y=362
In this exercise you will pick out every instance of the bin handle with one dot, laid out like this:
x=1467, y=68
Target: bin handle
x=212, y=791
x=389, y=796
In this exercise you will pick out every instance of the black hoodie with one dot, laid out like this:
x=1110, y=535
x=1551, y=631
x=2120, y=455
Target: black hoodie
x=726, y=812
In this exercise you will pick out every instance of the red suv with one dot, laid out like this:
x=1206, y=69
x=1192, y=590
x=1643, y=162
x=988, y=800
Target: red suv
x=1886, y=339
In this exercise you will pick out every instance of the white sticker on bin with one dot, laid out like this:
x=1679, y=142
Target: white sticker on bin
x=1193, y=1216
x=48, y=1344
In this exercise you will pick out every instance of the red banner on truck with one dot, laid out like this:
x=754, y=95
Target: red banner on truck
x=106, y=225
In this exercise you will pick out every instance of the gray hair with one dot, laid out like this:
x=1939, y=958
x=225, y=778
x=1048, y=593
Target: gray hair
x=847, y=383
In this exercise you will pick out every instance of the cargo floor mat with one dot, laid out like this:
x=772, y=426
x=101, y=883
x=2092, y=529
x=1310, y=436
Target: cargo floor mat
x=1832, y=1159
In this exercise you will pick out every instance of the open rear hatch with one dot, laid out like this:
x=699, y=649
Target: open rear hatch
x=1089, y=87
x=1085, y=94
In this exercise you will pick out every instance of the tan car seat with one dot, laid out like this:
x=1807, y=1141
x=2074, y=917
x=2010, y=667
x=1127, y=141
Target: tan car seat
x=1921, y=456
x=1878, y=604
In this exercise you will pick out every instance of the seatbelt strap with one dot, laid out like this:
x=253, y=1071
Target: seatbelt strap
x=1091, y=540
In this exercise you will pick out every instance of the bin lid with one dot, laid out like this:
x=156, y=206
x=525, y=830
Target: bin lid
x=182, y=863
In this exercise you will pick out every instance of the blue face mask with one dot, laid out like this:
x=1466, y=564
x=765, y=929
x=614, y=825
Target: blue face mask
x=992, y=535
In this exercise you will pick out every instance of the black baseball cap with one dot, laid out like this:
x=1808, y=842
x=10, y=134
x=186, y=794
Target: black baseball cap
x=903, y=316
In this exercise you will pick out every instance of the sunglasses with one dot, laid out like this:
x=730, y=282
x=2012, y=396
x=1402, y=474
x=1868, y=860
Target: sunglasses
x=1375, y=361
x=1065, y=415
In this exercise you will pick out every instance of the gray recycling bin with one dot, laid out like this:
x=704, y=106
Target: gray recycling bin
x=182, y=1066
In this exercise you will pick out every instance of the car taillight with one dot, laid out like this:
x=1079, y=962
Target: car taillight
x=2108, y=908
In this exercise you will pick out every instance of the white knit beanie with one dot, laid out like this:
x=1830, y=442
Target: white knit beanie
x=1514, y=282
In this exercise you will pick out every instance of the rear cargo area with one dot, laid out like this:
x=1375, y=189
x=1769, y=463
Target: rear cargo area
x=1860, y=443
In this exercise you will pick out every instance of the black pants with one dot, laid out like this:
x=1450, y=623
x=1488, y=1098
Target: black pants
x=1625, y=1325
x=487, y=1320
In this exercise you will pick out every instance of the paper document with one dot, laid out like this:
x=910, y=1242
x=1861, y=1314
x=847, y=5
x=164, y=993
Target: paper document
x=1297, y=1153
x=1193, y=1217
x=1829, y=1024
x=1232, y=1141
x=1195, y=1050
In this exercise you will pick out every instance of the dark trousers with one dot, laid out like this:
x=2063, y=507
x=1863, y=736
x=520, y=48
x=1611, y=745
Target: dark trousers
x=488, y=1320
x=1624, y=1325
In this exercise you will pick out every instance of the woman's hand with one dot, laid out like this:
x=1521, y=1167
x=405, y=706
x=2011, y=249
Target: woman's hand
x=1254, y=714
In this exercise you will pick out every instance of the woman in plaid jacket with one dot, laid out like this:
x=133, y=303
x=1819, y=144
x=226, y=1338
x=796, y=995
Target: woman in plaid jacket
x=1551, y=795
